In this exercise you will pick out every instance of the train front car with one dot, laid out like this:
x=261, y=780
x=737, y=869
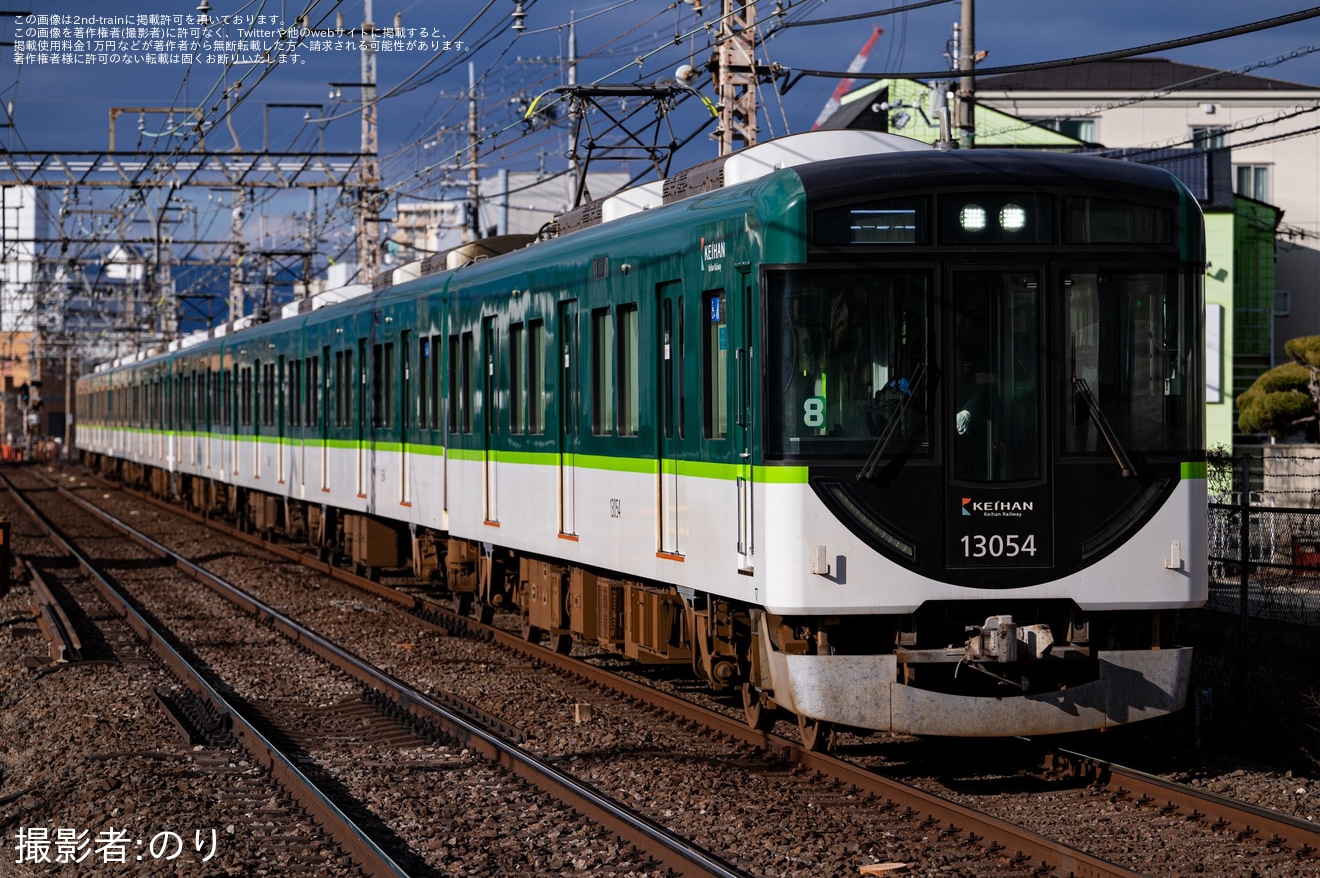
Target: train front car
x=983, y=386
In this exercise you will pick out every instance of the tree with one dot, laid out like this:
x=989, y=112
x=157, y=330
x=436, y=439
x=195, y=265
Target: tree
x=1286, y=398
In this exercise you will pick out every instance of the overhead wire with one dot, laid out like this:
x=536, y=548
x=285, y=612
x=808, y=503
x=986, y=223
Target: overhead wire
x=1165, y=45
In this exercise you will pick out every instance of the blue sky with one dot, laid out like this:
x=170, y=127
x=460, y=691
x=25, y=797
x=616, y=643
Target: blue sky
x=423, y=112
x=66, y=106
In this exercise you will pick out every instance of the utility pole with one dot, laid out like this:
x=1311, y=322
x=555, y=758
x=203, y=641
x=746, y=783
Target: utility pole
x=736, y=75
x=967, y=82
x=572, y=82
x=474, y=177
x=162, y=287
x=236, y=253
x=236, y=214
x=368, y=238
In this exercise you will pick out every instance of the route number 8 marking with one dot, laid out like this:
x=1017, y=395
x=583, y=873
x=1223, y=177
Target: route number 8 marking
x=813, y=412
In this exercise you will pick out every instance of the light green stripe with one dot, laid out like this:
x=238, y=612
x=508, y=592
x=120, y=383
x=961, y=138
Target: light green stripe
x=698, y=469
x=1193, y=470
x=617, y=464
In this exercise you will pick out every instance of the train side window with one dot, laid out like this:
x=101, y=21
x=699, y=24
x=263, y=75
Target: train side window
x=349, y=381
x=327, y=388
x=629, y=392
x=378, y=388
x=295, y=405
x=602, y=372
x=537, y=389
x=340, y=382
x=280, y=405
x=269, y=391
x=245, y=397
x=434, y=420
x=517, y=378
x=453, y=384
x=715, y=368
x=388, y=384
x=313, y=391
x=423, y=382
x=203, y=389
x=468, y=378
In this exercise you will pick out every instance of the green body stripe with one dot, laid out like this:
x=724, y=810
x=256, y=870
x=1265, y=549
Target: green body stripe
x=696, y=469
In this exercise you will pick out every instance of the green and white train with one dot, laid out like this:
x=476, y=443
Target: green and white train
x=889, y=437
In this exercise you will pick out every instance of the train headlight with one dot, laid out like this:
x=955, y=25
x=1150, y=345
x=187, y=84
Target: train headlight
x=972, y=218
x=1012, y=218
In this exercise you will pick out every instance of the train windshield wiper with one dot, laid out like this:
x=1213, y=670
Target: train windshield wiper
x=873, y=462
x=1082, y=389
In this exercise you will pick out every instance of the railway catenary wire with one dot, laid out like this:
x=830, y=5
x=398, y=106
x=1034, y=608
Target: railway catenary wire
x=1264, y=835
x=652, y=840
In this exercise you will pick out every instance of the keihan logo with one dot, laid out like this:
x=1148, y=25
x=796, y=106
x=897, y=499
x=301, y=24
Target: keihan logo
x=710, y=253
x=996, y=508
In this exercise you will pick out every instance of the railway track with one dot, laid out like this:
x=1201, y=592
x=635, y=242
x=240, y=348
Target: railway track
x=264, y=726
x=851, y=787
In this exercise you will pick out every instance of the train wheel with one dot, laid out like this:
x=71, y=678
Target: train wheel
x=531, y=633
x=760, y=713
x=561, y=643
x=817, y=735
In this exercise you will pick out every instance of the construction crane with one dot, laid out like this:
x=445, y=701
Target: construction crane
x=844, y=84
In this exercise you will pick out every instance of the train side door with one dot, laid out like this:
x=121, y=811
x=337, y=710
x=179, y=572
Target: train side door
x=280, y=407
x=236, y=418
x=670, y=433
x=360, y=419
x=567, y=342
x=489, y=420
x=405, y=409
x=326, y=390
x=740, y=344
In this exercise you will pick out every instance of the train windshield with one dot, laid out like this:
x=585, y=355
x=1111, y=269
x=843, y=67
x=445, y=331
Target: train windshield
x=1131, y=355
x=847, y=361
x=997, y=367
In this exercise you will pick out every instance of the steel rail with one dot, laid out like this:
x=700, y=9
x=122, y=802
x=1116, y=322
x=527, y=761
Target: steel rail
x=348, y=835
x=65, y=645
x=1247, y=820
x=998, y=836
x=638, y=830
x=992, y=833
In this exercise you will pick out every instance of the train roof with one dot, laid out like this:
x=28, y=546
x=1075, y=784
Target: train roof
x=972, y=168
x=829, y=164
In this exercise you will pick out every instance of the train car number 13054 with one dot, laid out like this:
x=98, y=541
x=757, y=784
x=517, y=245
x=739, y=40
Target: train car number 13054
x=998, y=545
